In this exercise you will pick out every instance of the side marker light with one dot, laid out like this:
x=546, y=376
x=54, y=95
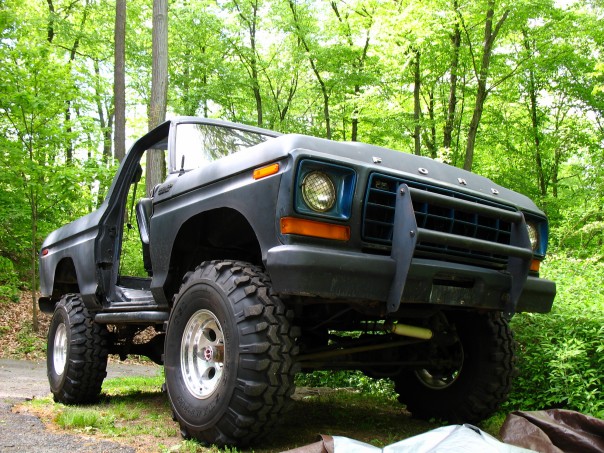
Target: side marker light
x=265, y=171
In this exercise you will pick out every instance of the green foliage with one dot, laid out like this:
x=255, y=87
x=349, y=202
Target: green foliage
x=29, y=341
x=9, y=281
x=131, y=263
x=347, y=62
x=561, y=358
x=382, y=388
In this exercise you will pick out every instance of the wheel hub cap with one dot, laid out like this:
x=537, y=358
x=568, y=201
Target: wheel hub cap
x=202, y=354
x=213, y=353
x=59, y=349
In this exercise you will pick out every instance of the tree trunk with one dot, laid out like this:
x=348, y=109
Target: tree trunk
x=354, y=132
x=256, y=89
x=481, y=96
x=536, y=134
x=33, y=205
x=34, y=258
x=72, y=55
x=417, y=108
x=431, y=142
x=105, y=123
x=325, y=108
x=462, y=108
x=324, y=90
x=358, y=64
x=205, y=99
x=119, y=80
x=156, y=169
x=276, y=95
x=51, y=21
x=251, y=61
x=535, y=126
x=482, y=74
x=450, y=119
x=254, y=64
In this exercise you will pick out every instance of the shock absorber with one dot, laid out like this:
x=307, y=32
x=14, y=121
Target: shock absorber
x=406, y=330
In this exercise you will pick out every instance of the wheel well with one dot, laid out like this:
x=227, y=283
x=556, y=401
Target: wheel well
x=218, y=234
x=66, y=279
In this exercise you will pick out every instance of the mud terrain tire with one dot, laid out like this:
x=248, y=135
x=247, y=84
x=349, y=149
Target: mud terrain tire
x=228, y=354
x=476, y=389
x=77, y=353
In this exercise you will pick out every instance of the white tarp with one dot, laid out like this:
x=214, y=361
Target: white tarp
x=448, y=439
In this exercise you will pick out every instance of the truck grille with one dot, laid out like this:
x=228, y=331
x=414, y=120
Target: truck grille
x=378, y=221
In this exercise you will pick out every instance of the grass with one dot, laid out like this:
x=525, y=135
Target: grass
x=135, y=412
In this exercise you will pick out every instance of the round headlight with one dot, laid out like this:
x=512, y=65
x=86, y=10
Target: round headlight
x=533, y=235
x=318, y=191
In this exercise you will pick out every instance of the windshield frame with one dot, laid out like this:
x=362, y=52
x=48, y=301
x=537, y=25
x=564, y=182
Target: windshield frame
x=175, y=163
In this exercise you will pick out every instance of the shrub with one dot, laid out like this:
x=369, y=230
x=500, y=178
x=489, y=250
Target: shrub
x=561, y=356
x=131, y=261
x=9, y=281
x=382, y=388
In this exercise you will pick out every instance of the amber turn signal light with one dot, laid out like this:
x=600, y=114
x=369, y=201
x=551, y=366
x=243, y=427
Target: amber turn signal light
x=303, y=227
x=265, y=171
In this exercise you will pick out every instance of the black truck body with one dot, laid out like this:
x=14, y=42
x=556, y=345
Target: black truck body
x=339, y=237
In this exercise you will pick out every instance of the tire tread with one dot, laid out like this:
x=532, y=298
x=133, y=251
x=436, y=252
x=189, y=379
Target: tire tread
x=266, y=365
x=86, y=366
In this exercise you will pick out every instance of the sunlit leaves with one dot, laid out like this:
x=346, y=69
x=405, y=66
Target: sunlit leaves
x=346, y=62
x=561, y=361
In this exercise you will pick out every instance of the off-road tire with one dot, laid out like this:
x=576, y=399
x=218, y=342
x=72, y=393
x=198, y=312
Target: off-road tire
x=481, y=385
x=77, y=353
x=247, y=377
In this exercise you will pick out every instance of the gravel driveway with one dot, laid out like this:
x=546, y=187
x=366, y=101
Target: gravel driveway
x=21, y=380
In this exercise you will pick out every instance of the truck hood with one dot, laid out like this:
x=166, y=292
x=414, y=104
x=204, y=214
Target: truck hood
x=375, y=158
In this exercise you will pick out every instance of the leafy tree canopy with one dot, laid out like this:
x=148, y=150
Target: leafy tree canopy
x=404, y=74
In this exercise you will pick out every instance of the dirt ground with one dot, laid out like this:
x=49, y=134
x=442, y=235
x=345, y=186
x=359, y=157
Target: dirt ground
x=18, y=340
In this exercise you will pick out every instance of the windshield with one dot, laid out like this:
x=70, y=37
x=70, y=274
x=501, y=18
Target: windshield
x=200, y=144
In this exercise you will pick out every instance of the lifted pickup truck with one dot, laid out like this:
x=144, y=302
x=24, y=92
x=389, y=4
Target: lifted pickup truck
x=268, y=254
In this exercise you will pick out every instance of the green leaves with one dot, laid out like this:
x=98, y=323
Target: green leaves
x=47, y=146
x=560, y=361
x=9, y=281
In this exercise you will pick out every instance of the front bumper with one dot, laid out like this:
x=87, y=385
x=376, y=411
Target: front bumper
x=334, y=274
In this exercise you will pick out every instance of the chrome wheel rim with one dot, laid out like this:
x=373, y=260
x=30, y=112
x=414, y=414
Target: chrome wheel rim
x=59, y=349
x=436, y=379
x=202, y=354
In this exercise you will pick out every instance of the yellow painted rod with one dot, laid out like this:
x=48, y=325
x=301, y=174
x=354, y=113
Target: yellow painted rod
x=412, y=331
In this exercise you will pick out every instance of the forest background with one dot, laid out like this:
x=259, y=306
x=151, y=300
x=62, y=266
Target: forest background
x=512, y=90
